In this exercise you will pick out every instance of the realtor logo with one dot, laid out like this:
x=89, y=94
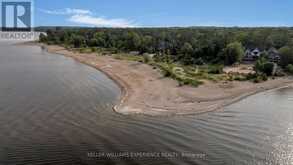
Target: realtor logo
x=16, y=15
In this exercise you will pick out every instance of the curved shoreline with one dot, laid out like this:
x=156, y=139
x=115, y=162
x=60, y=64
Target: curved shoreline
x=141, y=93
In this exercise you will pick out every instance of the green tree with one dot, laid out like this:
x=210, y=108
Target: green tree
x=133, y=41
x=286, y=56
x=233, y=53
x=43, y=38
x=259, y=65
x=263, y=66
x=92, y=42
x=186, y=52
x=100, y=39
x=77, y=41
x=146, y=45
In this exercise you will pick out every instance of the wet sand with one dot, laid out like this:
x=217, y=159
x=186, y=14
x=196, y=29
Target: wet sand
x=146, y=91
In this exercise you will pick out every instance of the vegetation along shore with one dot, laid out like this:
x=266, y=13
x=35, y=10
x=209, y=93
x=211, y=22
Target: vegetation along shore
x=168, y=71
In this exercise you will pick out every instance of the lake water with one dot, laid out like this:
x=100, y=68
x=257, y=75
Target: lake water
x=54, y=110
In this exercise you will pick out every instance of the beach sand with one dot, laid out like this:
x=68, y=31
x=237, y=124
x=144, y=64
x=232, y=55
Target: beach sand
x=146, y=91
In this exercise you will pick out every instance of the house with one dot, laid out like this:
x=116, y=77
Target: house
x=252, y=54
x=274, y=55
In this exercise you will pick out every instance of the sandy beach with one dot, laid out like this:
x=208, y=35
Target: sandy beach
x=146, y=91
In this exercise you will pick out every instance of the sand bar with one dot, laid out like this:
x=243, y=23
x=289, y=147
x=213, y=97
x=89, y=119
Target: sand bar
x=146, y=91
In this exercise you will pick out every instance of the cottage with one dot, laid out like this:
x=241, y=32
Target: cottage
x=252, y=55
x=273, y=55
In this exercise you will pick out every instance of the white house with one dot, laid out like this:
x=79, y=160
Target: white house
x=251, y=55
x=273, y=55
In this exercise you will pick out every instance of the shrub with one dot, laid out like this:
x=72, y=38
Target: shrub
x=240, y=78
x=262, y=66
x=260, y=78
x=166, y=70
x=146, y=58
x=178, y=74
x=178, y=71
x=94, y=49
x=85, y=50
x=188, y=81
x=192, y=82
x=251, y=76
x=289, y=68
x=259, y=65
x=268, y=68
x=215, y=69
x=43, y=38
x=113, y=50
x=264, y=77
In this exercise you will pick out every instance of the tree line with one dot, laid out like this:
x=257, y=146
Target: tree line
x=188, y=46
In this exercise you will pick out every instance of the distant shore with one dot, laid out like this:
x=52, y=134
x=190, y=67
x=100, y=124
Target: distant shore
x=146, y=91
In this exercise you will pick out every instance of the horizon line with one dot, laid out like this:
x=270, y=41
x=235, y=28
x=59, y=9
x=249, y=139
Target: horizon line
x=138, y=27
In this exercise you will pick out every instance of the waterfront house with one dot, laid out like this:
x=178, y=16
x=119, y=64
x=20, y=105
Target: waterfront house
x=273, y=55
x=252, y=54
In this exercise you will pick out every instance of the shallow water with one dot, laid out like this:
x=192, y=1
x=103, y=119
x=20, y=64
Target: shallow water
x=54, y=110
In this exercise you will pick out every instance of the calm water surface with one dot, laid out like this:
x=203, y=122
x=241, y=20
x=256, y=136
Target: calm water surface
x=54, y=110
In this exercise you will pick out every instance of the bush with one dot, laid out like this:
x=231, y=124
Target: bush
x=260, y=78
x=94, y=49
x=179, y=75
x=289, y=68
x=166, y=70
x=192, y=82
x=113, y=50
x=268, y=68
x=146, y=58
x=264, y=77
x=251, y=76
x=259, y=65
x=240, y=78
x=215, y=69
x=43, y=38
x=262, y=66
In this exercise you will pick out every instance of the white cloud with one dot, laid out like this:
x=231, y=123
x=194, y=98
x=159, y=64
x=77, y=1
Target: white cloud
x=66, y=11
x=86, y=17
x=99, y=21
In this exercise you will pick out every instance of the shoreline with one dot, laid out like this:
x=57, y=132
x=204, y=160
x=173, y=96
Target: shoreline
x=144, y=91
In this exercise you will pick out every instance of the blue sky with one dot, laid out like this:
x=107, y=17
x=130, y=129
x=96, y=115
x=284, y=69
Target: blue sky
x=148, y=13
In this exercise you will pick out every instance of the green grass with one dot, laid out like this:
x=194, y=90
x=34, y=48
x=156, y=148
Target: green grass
x=184, y=75
x=128, y=57
x=178, y=73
